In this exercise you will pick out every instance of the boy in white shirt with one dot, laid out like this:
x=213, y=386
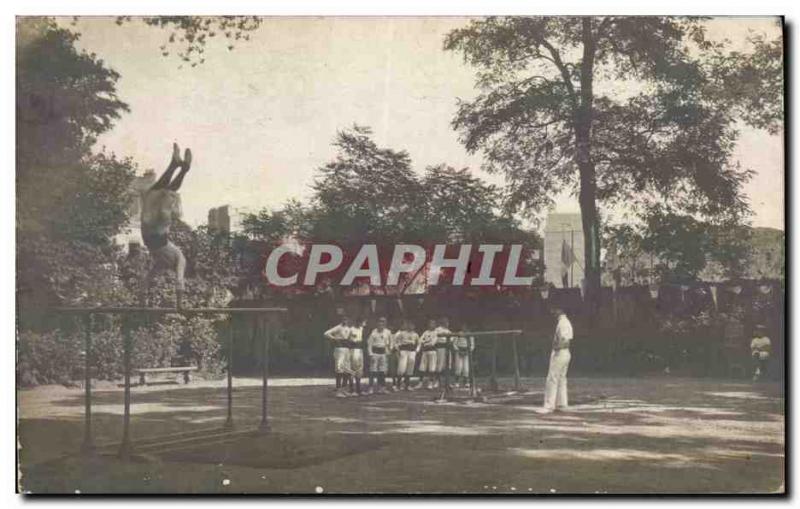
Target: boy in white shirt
x=378, y=345
x=442, y=347
x=356, y=357
x=427, y=347
x=406, y=342
x=339, y=335
x=462, y=346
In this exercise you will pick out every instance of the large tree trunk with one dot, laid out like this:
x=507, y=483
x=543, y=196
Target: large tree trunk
x=588, y=183
x=591, y=235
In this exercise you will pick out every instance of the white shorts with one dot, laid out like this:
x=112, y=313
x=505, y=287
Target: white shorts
x=378, y=363
x=405, y=365
x=357, y=362
x=461, y=364
x=427, y=363
x=341, y=360
x=441, y=359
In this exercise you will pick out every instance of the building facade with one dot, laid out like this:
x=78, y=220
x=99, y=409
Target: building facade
x=563, y=250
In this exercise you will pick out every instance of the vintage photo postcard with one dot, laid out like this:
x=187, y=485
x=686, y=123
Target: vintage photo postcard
x=525, y=255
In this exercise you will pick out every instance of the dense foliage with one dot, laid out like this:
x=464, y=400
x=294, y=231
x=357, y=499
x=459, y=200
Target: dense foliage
x=71, y=204
x=370, y=194
x=635, y=110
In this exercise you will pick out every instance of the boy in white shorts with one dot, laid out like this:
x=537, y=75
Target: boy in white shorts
x=356, y=357
x=340, y=337
x=462, y=346
x=406, y=342
x=442, y=346
x=378, y=345
x=427, y=347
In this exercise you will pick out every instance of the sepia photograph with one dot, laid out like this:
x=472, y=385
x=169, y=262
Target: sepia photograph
x=400, y=255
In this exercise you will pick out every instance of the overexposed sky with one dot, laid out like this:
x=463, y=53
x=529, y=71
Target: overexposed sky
x=260, y=119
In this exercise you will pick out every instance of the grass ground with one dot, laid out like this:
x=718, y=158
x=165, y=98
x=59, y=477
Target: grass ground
x=648, y=435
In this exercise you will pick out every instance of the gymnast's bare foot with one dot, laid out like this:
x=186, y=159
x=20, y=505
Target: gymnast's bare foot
x=176, y=157
x=187, y=159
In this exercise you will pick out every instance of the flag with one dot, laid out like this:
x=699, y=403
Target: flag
x=567, y=256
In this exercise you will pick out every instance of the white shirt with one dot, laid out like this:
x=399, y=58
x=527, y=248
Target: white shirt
x=343, y=332
x=464, y=342
x=428, y=338
x=404, y=337
x=380, y=339
x=760, y=344
x=338, y=332
x=356, y=334
x=441, y=334
x=563, y=334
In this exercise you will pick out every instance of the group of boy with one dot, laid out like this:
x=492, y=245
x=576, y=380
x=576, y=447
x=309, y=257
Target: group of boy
x=396, y=355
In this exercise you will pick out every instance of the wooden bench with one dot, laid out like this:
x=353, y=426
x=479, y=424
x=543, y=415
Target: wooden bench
x=186, y=370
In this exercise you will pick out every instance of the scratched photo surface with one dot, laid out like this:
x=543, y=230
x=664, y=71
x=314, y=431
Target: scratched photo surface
x=400, y=255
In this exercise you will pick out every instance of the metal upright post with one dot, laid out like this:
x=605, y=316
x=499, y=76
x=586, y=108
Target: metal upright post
x=471, y=372
x=493, y=380
x=447, y=360
x=125, y=446
x=229, y=420
x=516, y=363
x=88, y=440
x=267, y=332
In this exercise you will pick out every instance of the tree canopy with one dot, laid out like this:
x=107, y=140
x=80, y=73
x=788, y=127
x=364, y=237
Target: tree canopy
x=191, y=34
x=70, y=202
x=371, y=194
x=636, y=110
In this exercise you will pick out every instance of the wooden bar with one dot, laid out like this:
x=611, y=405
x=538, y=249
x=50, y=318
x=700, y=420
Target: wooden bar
x=88, y=440
x=229, y=420
x=125, y=445
x=485, y=333
x=166, y=311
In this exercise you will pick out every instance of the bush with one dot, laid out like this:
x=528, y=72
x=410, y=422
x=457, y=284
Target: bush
x=52, y=357
x=200, y=345
x=57, y=356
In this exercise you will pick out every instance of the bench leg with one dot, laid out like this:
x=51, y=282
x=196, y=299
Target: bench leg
x=142, y=380
x=187, y=377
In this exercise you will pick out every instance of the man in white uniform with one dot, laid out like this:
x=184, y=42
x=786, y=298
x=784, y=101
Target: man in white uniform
x=442, y=349
x=427, y=365
x=406, y=341
x=760, y=348
x=378, y=345
x=462, y=346
x=340, y=336
x=356, y=357
x=555, y=390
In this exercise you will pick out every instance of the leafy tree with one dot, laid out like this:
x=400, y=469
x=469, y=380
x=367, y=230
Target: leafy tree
x=679, y=247
x=191, y=34
x=460, y=207
x=64, y=98
x=70, y=202
x=640, y=110
x=369, y=194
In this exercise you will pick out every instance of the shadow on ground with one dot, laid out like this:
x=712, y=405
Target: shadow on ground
x=622, y=436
